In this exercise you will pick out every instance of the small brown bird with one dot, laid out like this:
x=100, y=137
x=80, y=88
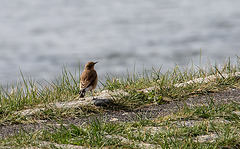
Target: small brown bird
x=88, y=79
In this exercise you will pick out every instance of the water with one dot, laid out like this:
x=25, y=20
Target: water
x=40, y=36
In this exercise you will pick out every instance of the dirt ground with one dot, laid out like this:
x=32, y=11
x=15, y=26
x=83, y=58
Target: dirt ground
x=150, y=111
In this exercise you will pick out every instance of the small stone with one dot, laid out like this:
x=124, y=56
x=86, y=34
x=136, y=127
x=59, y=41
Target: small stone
x=167, y=99
x=102, y=102
x=125, y=113
x=206, y=138
x=113, y=120
x=236, y=112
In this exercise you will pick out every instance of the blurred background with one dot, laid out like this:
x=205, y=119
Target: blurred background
x=38, y=37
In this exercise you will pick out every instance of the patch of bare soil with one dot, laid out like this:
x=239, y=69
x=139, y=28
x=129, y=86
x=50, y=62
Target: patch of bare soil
x=147, y=112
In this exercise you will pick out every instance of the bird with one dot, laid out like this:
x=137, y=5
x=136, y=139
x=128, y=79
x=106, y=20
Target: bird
x=88, y=80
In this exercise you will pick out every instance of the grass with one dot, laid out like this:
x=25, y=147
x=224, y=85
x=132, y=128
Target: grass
x=29, y=94
x=171, y=131
x=164, y=85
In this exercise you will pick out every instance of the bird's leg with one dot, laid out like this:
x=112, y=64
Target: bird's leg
x=92, y=95
x=82, y=93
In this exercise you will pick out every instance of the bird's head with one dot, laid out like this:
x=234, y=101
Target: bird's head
x=90, y=65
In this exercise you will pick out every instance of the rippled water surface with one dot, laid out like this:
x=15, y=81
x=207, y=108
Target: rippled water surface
x=40, y=36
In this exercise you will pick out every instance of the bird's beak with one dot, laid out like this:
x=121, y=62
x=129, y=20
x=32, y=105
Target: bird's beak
x=95, y=62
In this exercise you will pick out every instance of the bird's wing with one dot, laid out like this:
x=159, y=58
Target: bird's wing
x=87, y=78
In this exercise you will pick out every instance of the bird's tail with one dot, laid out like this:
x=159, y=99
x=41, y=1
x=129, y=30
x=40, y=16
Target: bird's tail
x=82, y=93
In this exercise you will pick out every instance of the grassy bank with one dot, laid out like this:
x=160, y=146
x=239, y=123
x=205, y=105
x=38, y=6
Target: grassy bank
x=164, y=88
x=212, y=126
x=29, y=94
x=133, y=91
